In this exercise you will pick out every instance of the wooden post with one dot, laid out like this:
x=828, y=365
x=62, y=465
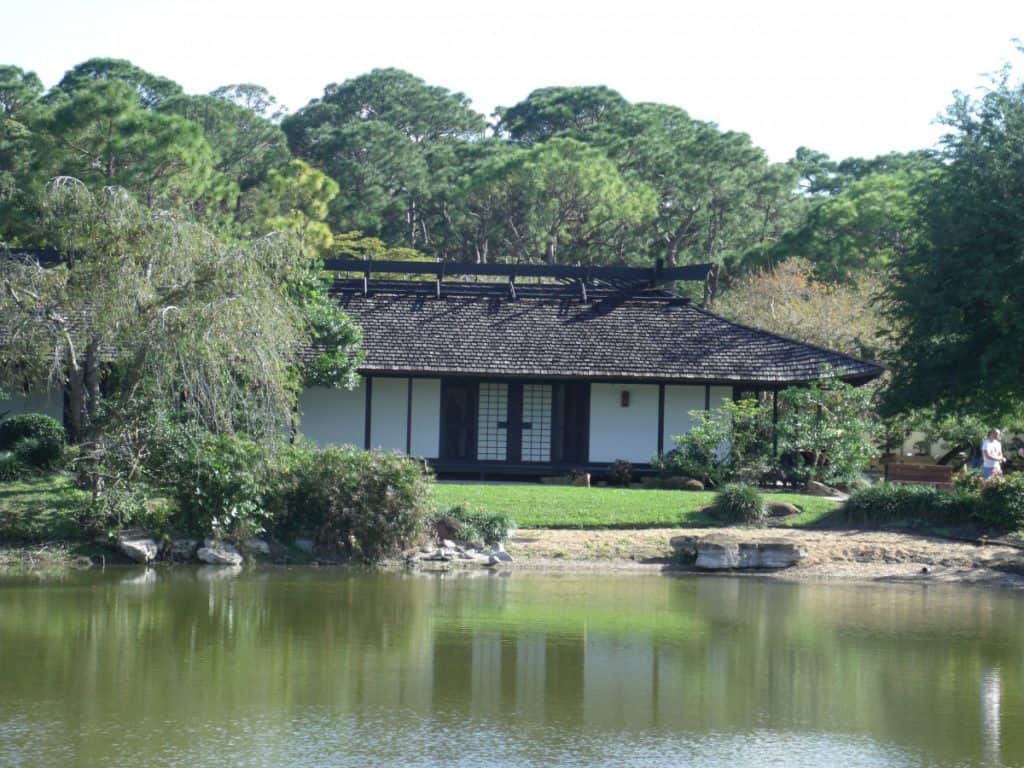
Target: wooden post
x=369, y=409
x=661, y=419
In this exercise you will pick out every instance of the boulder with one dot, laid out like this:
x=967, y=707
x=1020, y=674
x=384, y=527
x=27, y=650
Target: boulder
x=500, y=555
x=782, y=509
x=138, y=548
x=218, y=553
x=717, y=553
x=820, y=489
x=304, y=545
x=779, y=553
x=255, y=546
x=184, y=550
x=682, y=484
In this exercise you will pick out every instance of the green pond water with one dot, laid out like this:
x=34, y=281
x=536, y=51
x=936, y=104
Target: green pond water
x=277, y=667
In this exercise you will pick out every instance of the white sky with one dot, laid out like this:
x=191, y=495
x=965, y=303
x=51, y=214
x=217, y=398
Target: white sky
x=852, y=78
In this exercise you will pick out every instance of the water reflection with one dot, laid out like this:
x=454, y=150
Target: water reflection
x=334, y=666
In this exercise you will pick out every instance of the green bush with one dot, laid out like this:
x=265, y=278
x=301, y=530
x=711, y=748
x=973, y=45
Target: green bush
x=730, y=443
x=218, y=485
x=11, y=467
x=888, y=503
x=1002, y=503
x=826, y=431
x=467, y=524
x=38, y=452
x=968, y=480
x=739, y=503
x=367, y=502
x=30, y=425
x=36, y=440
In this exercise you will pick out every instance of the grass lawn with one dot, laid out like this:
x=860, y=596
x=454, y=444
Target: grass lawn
x=41, y=509
x=559, y=506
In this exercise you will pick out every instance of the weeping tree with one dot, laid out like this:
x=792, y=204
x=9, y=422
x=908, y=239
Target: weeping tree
x=148, y=319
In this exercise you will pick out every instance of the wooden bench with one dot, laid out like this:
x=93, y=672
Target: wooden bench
x=938, y=475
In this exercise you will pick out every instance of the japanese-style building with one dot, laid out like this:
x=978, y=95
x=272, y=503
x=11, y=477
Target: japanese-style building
x=511, y=378
x=483, y=374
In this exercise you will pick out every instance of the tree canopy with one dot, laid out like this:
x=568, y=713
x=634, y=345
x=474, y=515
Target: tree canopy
x=960, y=291
x=386, y=164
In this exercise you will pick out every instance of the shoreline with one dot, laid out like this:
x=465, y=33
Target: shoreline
x=849, y=555
x=833, y=556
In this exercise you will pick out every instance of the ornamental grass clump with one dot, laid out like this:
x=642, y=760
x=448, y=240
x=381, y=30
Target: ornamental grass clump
x=739, y=503
x=11, y=467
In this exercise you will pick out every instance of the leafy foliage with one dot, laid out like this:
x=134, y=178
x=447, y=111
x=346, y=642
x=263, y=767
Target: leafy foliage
x=472, y=524
x=369, y=503
x=828, y=430
x=739, y=503
x=33, y=425
x=731, y=442
x=888, y=503
x=11, y=467
x=1002, y=503
x=790, y=300
x=219, y=486
x=39, y=452
x=958, y=293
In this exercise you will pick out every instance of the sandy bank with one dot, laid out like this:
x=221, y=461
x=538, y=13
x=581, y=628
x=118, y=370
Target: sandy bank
x=868, y=556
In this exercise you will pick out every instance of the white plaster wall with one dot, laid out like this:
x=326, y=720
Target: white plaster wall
x=426, y=417
x=389, y=413
x=720, y=395
x=679, y=401
x=333, y=416
x=623, y=433
x=50, y=402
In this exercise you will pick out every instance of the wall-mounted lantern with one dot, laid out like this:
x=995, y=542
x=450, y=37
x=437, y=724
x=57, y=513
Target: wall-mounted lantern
x=624, y=398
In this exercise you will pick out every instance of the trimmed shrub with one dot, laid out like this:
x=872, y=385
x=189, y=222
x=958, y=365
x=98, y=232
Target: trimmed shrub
x=30, y=425
x=370, y=503
x=888, y=503
x=467, y=524
x=218, y=484
x=36, y=440
x=620, y=473
x=1002, y=504
x=39, y=452
x=11, y=467
x=739, y=503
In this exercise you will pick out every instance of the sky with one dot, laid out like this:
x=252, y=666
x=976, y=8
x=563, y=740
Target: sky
x=849, y=79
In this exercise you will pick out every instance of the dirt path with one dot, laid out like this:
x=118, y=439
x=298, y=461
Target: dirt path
x=831, y=555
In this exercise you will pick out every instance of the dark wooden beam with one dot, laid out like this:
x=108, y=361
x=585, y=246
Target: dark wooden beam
x=652, y=275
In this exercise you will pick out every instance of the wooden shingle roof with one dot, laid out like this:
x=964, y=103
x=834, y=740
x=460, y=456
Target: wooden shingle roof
x=550, y=332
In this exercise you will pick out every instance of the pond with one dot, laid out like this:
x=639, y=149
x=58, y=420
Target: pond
x=325, y=667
